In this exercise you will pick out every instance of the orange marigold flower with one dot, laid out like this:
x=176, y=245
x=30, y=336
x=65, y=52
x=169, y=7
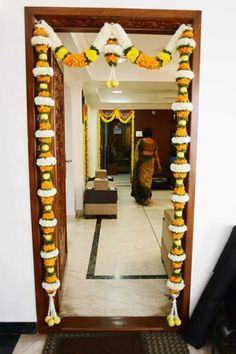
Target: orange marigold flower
x=147, y=62
x=182, y=114
x=177, y=251
x=175, y=279
x=45, y=140
x=178, y=222
x=181, y=147
x=184, y=66
x=48, y=230
x=44, y=93
x=180, y=175
x=43, y=78
x=47, y=200
x=45, y=154
x=44, y=109
x=40, y=32
x=185, y=50
x=111, y=58
x=49, y=247
x=177, y=236
x=182, y=98
x=46, y=185
x=75, y=60
x=188, y=34
x=48, y=216
x=44, y=125
x=49, y=262
x=42, y=63
x=181, y=132
x=41, y=48
x=183, y=81
x=176, y=265
x=51, y=279
x=179, y=190
x=181, y=161
x=46, y=168
x=179, y=205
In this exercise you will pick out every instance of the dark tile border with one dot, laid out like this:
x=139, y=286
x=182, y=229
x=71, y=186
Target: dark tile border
x=8, y=343
x=18, y=328
x=93, y=260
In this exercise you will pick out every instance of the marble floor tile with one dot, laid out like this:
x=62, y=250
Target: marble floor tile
x=205, y=350
x=30, y=344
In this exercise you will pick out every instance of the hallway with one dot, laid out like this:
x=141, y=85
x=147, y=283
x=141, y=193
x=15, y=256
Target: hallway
x=114, y=266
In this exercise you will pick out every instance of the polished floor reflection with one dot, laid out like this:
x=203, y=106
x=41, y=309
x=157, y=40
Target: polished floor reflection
x=114, y=265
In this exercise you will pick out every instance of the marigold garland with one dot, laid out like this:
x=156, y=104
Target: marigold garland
x=115, y=42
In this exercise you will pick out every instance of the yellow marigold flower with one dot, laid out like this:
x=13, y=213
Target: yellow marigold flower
x=177, y=236
x=46, y=185
x=164, y=57
x=178, y=222
x=188, y=34
x=176, y=265
x=49, y=262
x=180, y=175
x=184, y=66
x=91, y=54
x=181, y=132
x=132, y=54
x=183, y=81
x=182, y=98
x=44, y=93
x=175, y=279
x=60, y=54
x=179, y=190
x=181, y=161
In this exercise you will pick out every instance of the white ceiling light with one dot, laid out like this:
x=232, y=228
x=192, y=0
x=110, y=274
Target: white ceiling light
x=117, y=91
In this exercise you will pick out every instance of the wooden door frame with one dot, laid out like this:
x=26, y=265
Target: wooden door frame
x=90, y=20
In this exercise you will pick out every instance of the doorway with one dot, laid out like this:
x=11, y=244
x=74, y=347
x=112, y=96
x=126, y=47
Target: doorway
x=154, y=21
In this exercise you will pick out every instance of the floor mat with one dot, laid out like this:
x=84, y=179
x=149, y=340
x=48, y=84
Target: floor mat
x=115, y=343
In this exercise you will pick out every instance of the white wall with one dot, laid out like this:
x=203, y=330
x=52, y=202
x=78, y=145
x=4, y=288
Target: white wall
x=92, y=128
x=70, y=187
x=215, y=196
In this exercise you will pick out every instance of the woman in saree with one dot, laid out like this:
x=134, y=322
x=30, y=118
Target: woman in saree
x=145, y=155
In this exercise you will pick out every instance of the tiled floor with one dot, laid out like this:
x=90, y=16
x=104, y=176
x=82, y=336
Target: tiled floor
x=128, y=278
x=128, y=246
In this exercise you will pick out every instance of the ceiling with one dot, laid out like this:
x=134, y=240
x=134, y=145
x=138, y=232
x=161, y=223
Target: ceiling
x=139, y=88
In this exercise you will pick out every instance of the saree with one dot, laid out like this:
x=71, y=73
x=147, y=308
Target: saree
x=142, y=174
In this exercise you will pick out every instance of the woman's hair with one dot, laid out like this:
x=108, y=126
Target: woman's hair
x=147, y=132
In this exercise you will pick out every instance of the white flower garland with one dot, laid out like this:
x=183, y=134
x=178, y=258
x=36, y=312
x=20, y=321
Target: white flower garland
x=55, y=40
x=44, y=133
x=51, y=286
x=188, y=74
x=43, y=71
x=44, y=101
x=121, y=35
x=176, y=198
x=46, y=161
x=181, y=139
x=181, y=168
x=102, y=37
x=48, y=223
x=39, y=40
x=182, y=106
x=113, y=48
x=175, y=286
x=46, y=192
x=175, y=258
x=171, y=46
x=183, y=42
x=177, y=229
x=50, y=254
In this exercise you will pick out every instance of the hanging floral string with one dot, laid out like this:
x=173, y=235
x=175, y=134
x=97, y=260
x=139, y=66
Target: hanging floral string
x=44, y=37
x=46, y=162
x=123, y=118
x=182, y=108
x=86, y=142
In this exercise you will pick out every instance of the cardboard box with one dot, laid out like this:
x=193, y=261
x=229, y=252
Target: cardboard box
x=166, y=240
x=101, y=184
x=101, y=174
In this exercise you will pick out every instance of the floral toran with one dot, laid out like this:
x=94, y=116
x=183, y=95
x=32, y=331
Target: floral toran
x=114, y=42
